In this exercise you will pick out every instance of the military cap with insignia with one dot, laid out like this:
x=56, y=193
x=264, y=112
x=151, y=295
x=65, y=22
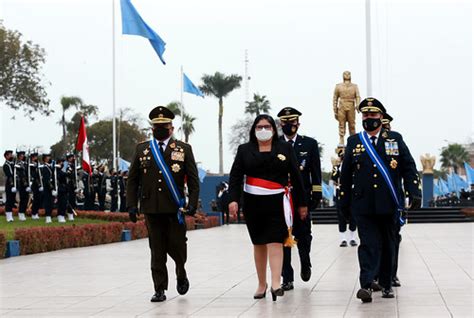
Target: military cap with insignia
x=7, y=152
x=69, y=155
x=161, y=115
x=46, y=155
x=387, y=119
x=20, y=152
x=288, y=114
x=34, y=154
x=371, y=105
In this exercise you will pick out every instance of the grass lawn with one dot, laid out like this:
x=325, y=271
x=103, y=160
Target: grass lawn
x=9, y=228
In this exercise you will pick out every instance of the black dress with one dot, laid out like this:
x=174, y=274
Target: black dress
x=264, y=213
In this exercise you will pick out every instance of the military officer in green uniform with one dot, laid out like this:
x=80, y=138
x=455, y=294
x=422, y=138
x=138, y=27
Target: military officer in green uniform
x=372, y=190
x=159, y=173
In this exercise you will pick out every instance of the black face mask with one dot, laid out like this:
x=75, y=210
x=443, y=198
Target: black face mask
x=289, y=129
x=161, y=133
x=371, y=124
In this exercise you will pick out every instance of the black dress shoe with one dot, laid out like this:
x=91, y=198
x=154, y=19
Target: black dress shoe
x=387, y=293
x=343, y=244
x=375, y=286
x=159, y=296
x=396, y=282
x=305, y=274
x=287, y=286
x=365, y=295
x=182, y=286
x=353, y=243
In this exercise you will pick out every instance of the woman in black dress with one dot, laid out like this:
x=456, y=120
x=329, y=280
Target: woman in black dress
x=263, y=167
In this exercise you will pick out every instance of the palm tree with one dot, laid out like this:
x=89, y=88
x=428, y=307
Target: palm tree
x=66, y=103
x=188, y=126
x=260, y=104
x=175, y=108
x=454, y=156
x=220, y=85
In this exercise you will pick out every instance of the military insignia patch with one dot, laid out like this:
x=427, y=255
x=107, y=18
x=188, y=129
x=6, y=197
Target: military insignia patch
x=393, y=164
x=175, y=168
x=173, y=145
x=177, y=156
x=303, y=153
x=391, y=148
x=281, y=157
x=384, y=135
x=146, y=151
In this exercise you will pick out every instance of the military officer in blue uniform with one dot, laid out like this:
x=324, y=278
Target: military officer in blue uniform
x=155, y=187
x=366, y=194
x=307, y=153
x=10, y=189
x=35, y=185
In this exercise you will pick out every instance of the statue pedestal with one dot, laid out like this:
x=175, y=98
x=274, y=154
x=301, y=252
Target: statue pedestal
x=428, y=187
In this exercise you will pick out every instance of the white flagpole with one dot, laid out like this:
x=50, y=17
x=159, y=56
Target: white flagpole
x=114, y=132
x=368, y=48
x=182, y=103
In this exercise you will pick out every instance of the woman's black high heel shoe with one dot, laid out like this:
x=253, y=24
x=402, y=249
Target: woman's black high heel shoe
x=262, y=295
x=277, y=292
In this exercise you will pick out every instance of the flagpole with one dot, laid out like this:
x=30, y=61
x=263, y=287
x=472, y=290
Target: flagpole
x=368, y=48
x=182, y=103
x=114, y=133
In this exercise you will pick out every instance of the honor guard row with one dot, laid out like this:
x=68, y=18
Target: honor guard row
x=34, y=185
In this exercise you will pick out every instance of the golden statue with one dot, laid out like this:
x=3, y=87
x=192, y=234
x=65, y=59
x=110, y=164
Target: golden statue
x=427, y=161
x=345, y=102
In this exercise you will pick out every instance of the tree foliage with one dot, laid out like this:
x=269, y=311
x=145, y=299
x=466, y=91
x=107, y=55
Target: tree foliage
x=21, y=80
x=453, y=156
x=220, y=85
x=259, y=105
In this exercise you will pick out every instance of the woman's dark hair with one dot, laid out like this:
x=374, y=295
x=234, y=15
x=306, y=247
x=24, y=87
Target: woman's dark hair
x=253, y=138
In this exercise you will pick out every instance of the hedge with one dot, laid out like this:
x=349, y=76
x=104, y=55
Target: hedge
x=46, y=239
x=3, y=244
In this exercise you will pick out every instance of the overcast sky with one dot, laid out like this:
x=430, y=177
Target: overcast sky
x=422, y=63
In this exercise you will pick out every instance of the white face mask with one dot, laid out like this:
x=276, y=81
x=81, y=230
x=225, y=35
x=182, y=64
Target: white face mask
x=263, y=135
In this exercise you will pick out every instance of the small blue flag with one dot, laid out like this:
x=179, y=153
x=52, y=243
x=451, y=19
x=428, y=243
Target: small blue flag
x=443, y=186
x=327, y=191
x=469, y=173
x=189, y=87
x=202, y=174
x=123, y=165
x=436, y=190
x=132, y=23
x=460, y=182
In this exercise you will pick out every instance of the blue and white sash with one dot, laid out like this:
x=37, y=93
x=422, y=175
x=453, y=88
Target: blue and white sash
x=160, y=162
x=374, y=156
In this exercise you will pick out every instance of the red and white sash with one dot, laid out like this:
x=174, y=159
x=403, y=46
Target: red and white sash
x=258, y=186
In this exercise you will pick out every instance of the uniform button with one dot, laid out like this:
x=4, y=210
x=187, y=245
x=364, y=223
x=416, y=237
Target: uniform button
x=375, y=186
x=342, y=192
x=159, y=189
x=159, y=180
x=161, y=172
x=375, y=166
x=375, y=175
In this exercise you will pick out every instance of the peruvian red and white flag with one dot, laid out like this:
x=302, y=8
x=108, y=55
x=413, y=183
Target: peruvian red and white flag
x=82, y=145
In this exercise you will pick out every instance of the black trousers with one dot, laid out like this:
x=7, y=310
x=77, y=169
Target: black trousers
x=398, y=240
x=11, y=198
x=23, y=200
x=114, y=202
x=36, y=200
x=376, y=251
x=166, y=237
x=302, y=233
x=71, y=200
x=101, y=196
x=62, y=202
x=342, y=222
x=123, y=203
x=225, y=216
x=48, y=201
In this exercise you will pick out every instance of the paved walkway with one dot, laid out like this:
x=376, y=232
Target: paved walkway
x=436, y=271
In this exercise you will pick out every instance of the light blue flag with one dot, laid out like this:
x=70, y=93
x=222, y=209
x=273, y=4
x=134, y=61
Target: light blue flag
x=327, y=194
x=132, y=23
x=469, y=173
x=452, y=183
x=189, y=87
x=460, y=182
x=443, y=186
x=202, y=174
x=436, y=191
x=123, y=165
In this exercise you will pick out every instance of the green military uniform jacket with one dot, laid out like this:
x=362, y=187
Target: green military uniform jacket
x=147, y=186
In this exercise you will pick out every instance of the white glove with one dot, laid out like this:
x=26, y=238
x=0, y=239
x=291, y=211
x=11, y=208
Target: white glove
x=55, y=193
x=41, y=189
x=14, y=190
x=77, y=190
x=28, y=190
